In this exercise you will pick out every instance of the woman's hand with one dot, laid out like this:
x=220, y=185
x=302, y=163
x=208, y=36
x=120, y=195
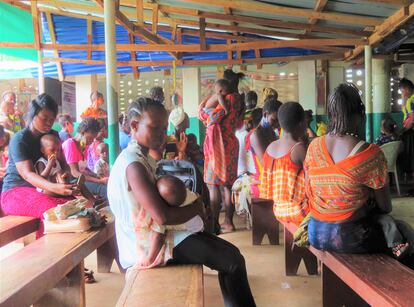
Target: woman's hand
x=181, y=143
x=63, y=189
x=103, y=180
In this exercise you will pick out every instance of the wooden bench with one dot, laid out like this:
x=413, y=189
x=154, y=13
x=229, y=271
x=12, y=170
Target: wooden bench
x=178, y=285
x=15, y=227
x=354, y=279
x=264, y=222
x=49, y=271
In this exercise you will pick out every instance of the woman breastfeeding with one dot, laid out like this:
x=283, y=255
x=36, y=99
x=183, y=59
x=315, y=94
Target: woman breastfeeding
x=19, y=195
x=134, y=198
x=342, y=172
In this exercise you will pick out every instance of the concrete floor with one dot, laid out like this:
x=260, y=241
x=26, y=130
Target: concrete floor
x=265, y=266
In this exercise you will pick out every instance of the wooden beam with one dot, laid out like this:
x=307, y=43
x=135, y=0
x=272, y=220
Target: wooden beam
x=258, y=56
x=393, y=2
x=203, y=45
x=263, y=7
x=270, y=60
x=155, y=19
x=88, y=37
x=260, y=21
x=320, y=5
x=264, y=44
x=386, y=28
x=53, y=40
x=179, y=36
x=131, y=39
x=229, y=55
x=140, y=12
x=35, y=23
x=174, y=32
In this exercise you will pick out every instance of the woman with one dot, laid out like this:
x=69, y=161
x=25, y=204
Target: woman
x=66, y=123
x=407, y=137
x=19, y=195
x=257, y=140
x=184, y=145
x=9, y=117
x=309, y=118
x=220, y=160
x=95, y=110
x=157, y=94
x=124, y=131
x=342, y=171
x=76, y=150
x=133, y=196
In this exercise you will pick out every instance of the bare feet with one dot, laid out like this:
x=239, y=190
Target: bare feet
x=227, y=227
x=400, y=250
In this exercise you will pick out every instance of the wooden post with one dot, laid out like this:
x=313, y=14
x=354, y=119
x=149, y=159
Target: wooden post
x=202, y=26
x=53, y=39
x=140, y=13
x=111, y=79
x=155, y=19
x=89, y=38
x=36, y=30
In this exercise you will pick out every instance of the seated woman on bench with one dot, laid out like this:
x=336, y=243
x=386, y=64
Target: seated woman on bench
x=76, y=153
x=19, y=195
x=342, y=172
x=133, y=194
x=283, y=179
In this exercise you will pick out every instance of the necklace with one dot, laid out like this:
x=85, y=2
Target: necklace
x=352, y=134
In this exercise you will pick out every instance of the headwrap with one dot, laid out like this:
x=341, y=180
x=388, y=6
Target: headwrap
x=177, y=116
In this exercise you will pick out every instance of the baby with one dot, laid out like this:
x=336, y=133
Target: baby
x=102, y=166
x=221, y=89
x=48, y=165
x=175, y=194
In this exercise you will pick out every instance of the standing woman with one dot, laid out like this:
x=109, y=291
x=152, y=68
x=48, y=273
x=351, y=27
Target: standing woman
x=407, y=137
x=257, y=140
x=19, y=195
x=220, y=162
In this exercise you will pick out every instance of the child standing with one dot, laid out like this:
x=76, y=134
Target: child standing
x=102, y=166
x=283, y=178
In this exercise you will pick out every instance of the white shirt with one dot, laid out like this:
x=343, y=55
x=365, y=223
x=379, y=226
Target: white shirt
x=123, y=203
x=242, y=163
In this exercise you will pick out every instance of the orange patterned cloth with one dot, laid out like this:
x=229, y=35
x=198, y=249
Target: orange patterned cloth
x=93, y=112
x=284, y=182
x=336, y=190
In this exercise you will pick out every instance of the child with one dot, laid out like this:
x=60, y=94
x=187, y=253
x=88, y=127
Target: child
x=65, y=121
x=388, y=132
x=48, y=165
x=102, y=166
x=283, y=178
x=174, y=192
x=221, y=89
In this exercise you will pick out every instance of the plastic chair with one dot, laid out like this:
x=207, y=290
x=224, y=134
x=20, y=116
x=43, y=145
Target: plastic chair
x=391, y=151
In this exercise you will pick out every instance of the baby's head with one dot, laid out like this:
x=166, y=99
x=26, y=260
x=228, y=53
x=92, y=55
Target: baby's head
x=102, y=151
x=222, y=87
x=49, y=145
x=172, y=190
x=388, y=126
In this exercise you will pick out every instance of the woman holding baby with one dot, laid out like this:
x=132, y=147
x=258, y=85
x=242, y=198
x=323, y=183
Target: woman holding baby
x=140, y=211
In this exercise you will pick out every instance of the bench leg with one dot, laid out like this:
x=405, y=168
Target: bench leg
x=106, y=254
x=295, y=254
x=264, y=223
x=335, y=293
x=69, y=292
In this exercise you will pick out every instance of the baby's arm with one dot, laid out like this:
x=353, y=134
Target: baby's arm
x=222, y=101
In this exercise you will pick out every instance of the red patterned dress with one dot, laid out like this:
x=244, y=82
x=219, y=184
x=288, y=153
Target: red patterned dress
x=221, y=147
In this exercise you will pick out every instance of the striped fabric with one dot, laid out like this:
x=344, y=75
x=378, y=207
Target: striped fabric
x=284, y=182
x=336, y=190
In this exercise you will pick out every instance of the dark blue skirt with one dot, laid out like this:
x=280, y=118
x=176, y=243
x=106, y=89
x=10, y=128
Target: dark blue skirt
x=362, y=236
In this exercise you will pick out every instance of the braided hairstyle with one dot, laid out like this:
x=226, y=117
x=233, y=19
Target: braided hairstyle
x=141, y=105
x=343, y=104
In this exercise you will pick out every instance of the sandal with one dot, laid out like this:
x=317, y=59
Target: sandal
x=89, y=278
x=400, y=251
